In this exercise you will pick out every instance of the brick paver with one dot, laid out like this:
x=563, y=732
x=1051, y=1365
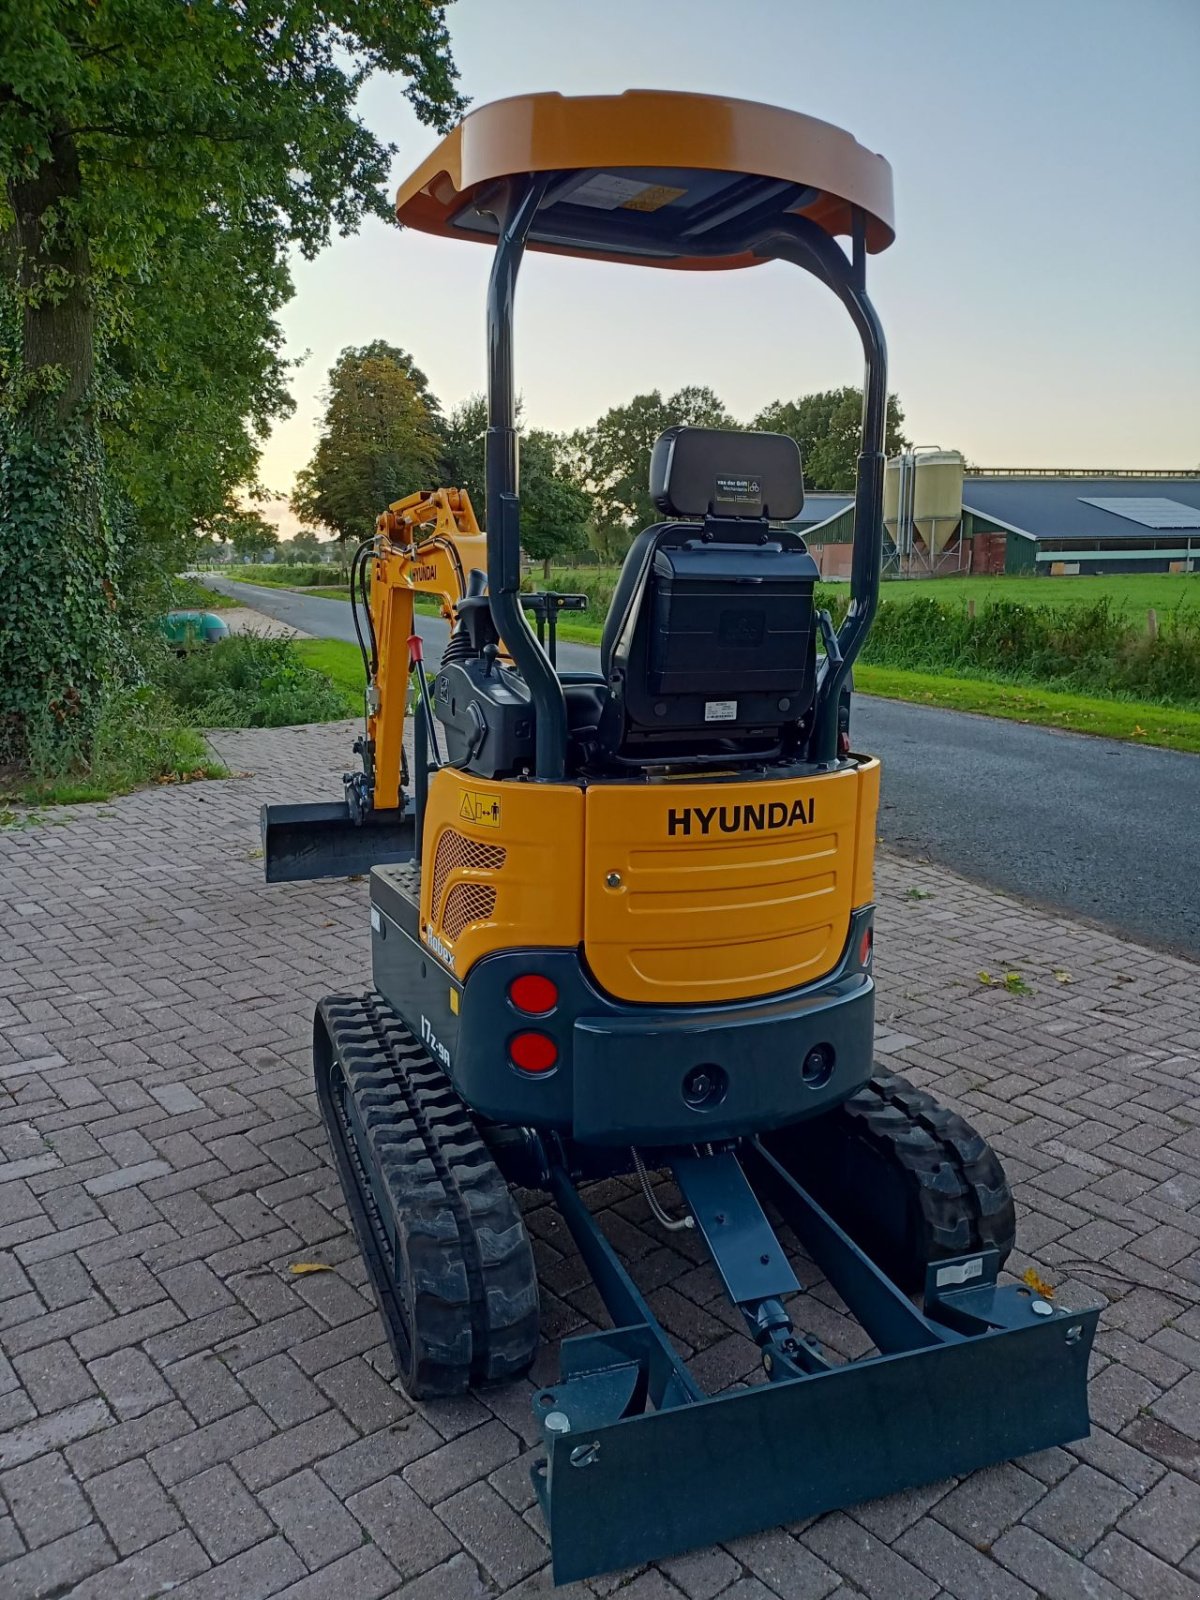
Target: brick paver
x=178, y=1412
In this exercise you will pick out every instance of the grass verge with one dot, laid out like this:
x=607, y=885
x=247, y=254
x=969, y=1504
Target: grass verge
x=192, y=594
x=139, y=740
x=151, y=733
x=342, y=664
x=1136, y=722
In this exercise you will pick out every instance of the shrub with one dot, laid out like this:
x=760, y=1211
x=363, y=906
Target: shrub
x=248, y=681
x=139, y=738
x=1094, y=649
x=294, y=577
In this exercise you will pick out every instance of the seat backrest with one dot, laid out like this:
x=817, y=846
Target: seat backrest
x=633, y=571
x=709, y=638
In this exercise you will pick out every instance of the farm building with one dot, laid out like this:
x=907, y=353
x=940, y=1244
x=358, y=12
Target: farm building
x=1017, y=520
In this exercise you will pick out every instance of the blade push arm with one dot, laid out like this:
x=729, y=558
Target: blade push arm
x=427, y=543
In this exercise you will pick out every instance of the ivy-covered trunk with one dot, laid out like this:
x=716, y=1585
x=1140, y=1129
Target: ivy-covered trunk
x=58, y=548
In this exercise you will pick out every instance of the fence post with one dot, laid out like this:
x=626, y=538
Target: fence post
x=1152, y=623
x=971, y=608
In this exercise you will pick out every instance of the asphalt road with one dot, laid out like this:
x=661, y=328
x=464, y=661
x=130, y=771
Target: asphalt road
x=1098, y=828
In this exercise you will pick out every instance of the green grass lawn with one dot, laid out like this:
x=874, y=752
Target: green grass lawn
x=342, y=665
x=1114, y=719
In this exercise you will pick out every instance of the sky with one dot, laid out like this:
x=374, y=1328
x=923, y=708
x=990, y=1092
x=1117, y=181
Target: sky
x=1040, y=300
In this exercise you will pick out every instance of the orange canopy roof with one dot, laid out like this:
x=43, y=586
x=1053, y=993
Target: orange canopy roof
x=644, y=176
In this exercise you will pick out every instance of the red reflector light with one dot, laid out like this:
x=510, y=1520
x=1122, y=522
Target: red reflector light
x=866, y=946
x=532, y=1052
x=534, y=994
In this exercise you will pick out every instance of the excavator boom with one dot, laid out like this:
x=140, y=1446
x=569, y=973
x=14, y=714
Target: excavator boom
x=427, y=543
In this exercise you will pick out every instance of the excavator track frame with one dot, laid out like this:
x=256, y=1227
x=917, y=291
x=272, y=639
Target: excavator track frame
x=445, y=1247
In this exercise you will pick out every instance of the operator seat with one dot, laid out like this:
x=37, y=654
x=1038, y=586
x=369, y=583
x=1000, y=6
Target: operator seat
x=708, y=648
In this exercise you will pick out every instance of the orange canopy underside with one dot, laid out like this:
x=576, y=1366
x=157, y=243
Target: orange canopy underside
x=669, y=158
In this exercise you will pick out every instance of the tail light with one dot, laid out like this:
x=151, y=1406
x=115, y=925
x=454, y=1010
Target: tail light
x=533, y=994
x=532, y=1052
x=865, y=946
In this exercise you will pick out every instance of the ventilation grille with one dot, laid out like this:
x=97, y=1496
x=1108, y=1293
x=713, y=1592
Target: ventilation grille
x=467, y=903
x=456, y=850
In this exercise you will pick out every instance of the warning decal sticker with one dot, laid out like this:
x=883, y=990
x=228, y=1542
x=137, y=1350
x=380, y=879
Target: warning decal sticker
x=481, y=809
x=605, y=191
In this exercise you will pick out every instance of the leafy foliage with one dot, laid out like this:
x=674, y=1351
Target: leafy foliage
x=377, y=443
x=138, y=738
x=827, y=427
x=303, y=546
x=58, y=606
x=554, y=509
x=612, y=459
x=464, y=435
x=159, y=161
x=248, y=681
x=1095, y=648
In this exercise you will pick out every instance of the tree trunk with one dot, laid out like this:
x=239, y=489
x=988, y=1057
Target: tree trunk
x=546, y=568
x=58, y=546
x=53, y=278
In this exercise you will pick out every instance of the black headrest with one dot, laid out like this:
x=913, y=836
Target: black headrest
x=702, y=472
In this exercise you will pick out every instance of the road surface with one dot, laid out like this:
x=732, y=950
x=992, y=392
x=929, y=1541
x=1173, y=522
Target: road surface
x=1102, y=829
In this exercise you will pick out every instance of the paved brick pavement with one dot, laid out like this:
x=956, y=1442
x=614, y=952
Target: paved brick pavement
x=178, y=1413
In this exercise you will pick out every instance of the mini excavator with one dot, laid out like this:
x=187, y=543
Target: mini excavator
x=623, y=922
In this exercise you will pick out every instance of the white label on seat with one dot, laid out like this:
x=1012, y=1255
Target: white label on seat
x=376, y=920
x=720, y=711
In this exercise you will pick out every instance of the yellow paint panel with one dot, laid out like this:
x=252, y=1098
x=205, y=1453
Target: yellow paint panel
x=706, y=892
x=864, y=848
x=510, y=854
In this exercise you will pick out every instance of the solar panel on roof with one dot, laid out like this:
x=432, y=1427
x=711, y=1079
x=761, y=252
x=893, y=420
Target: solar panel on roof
x=1150, y=512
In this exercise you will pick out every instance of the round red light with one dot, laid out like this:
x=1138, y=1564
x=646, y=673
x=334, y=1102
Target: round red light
x=532, y=1052
x=533, y=993
x=866, y=946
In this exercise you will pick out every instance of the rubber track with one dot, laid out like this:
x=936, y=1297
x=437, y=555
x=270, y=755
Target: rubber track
x=467, y=1286
x=951, y=1186
x=961, y=1188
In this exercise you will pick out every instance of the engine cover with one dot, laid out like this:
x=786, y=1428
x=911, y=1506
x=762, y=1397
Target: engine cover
x=485, y=711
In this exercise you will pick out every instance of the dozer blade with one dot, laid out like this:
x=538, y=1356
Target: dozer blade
x=322, y=840
x=651, y=1485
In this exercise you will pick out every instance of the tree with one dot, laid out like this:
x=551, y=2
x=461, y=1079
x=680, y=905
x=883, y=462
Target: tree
x=827, y=427
x=304, y=546
x=251, y=536
x=464, y=439
x=143, y=147
x=555, y=511
x=612, y=458
x=377, y=442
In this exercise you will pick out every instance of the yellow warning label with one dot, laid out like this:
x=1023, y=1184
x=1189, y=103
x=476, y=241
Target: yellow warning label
x=482, y=809
x=653, y=198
